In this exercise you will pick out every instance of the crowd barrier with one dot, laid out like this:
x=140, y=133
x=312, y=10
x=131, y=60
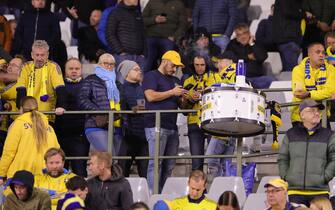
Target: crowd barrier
x=238, y=155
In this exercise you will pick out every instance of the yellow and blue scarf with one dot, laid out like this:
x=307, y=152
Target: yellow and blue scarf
x=43, y=94
x=310, y=82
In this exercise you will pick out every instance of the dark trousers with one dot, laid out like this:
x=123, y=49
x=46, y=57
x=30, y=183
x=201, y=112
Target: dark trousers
x=305, y=199
x=156, y=48
x=289, y=54
x=197, y=145
x=75, y=146
x=134, y=145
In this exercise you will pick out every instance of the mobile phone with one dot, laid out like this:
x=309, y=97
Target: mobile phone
x=163, y=14
x=189, y=87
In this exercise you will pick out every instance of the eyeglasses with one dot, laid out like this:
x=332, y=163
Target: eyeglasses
x=199, y=64
x=273, y=191
x=108, y=64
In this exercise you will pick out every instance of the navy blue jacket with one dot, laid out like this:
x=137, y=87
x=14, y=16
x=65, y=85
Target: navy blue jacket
x=36, y=25
x=217, y=16
x=70, y=124
x=133, y=123
x=93, y=96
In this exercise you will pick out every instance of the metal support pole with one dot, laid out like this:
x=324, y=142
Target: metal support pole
x=156, y=158
x=239, y=156
x=324, y=115
x=110, y=132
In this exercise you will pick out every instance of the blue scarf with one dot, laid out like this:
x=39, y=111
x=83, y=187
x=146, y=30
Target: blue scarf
x=109, y=77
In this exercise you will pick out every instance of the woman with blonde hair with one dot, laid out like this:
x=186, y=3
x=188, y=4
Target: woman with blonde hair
x=321, y=203
x=29, y=137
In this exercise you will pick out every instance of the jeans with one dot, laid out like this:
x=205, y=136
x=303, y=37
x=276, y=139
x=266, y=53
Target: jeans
x=75, y=146
x=289, y=54
x=134, y=145
x=197, y=145
x=261, y=81
x=99, y=141
x=221, y=41
x=169, y=143
x=156, y=48
x=216, y=166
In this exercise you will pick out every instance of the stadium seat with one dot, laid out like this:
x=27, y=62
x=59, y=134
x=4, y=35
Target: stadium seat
x=176, y=186
x=254, y=26
x=275, y=61
x=283, y=84
x=9, y=17
x=264, y=4
x=254, y=12
x=255, y=201
x=263, y=181
x=140, y=189
x=65, y=27
x=222, y=184
x=285, y=76
x=72, y=52
x=88, y=69
x=156, y=197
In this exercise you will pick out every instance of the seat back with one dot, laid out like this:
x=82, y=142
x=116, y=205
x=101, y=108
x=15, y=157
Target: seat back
x=231, y=183
x=176, y=186
x=140, y=189
x=255, y=201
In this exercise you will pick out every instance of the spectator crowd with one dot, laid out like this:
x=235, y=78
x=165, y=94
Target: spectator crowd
x=154, y=55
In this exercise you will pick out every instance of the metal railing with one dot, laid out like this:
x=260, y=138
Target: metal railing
x=156, y=157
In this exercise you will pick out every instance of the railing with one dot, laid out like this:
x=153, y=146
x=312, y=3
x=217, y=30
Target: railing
x=156, y=156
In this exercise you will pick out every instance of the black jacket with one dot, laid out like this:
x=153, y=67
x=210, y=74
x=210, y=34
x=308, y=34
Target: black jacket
x=70, y=124
x=264, y=34
x=287, y=20
x=254, y=67
x=88, y=43
x=36, y=25
x=113, y=194
x=125, y=30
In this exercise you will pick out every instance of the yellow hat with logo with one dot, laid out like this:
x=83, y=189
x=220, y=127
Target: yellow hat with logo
x=174, y=57
x=277, y=183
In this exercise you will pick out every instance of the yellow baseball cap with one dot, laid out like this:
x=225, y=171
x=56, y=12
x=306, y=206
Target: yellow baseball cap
x=277, y=183
x=3, y=61
x=174, y=57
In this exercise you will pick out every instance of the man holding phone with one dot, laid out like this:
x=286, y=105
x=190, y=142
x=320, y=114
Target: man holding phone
x=165, y=22
x=132, y=98
x=162, y=91
x=196, y=84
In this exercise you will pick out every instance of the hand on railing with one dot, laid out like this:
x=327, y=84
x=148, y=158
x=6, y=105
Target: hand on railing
x=301, y=94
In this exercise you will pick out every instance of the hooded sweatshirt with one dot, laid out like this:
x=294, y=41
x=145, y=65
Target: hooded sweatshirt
x=37, y=200
x=20, y=150
x=113, y=194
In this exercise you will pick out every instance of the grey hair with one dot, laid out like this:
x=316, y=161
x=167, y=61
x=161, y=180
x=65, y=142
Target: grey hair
x=40, y=44
x=106, y=56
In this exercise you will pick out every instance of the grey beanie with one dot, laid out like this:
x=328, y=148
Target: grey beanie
x=124, y=68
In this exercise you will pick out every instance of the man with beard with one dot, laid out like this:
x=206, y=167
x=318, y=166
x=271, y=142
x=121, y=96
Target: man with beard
x=54, y=177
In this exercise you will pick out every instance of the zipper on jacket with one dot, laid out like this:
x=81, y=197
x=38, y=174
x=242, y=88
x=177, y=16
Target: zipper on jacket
x=35, y=32
x=306, y=162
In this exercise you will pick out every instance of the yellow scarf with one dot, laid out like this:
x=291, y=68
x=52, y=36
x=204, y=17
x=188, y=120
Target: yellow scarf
x=310, y=82
x=43, y=94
